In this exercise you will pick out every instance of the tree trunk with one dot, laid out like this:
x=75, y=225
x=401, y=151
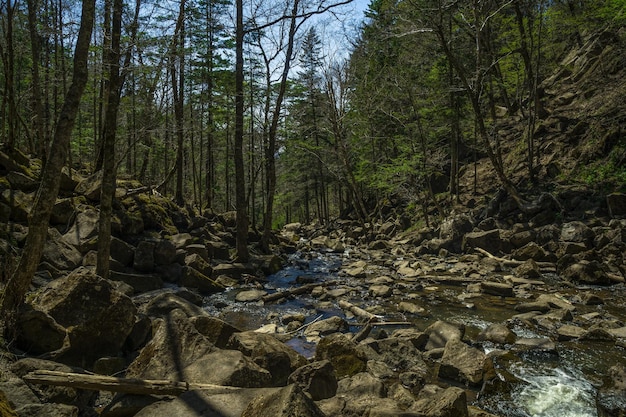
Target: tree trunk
x=37, y=94
x=107, y=192
x=240, y=182
x=178, y=51
x=19, y=282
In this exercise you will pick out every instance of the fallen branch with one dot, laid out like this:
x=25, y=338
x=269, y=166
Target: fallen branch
x=358, y=311
x=295, y=291
x=513, y=262
x=115, y=384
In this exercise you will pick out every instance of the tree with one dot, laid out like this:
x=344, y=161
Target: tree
x=39, y=217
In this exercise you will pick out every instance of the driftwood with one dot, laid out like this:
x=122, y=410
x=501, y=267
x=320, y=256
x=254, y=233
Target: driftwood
x=513, y=262
x=358, y=311
x=295, y=291
x=115, y=384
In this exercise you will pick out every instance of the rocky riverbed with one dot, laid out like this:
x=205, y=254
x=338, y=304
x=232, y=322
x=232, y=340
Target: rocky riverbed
x=505, y=312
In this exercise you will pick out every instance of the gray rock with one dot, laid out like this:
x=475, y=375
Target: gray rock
x=616, y=203
x=316, y=379
x=435, y=401
x=140, y=283
x=586, y=272
x=215, y=330
x=342, y=353
x=227, y=367
x=90, y=186
x=121, y=251
x=490, y=240
x=577, y=231
x=440, y=332
x=60, y=254
x=144, y=256
x=497, y=288
x=97, y=318
x=193, y=278
x=250, y=295
x=289, y=401
x=325, y=327
x=380, y=291
x=164, y=252
x=412, y=308
x=462, y=363
x=84, y=229
x=162, y=304
x=38, y=332
x=497, y=333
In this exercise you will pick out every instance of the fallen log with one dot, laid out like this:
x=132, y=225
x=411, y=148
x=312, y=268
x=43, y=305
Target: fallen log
x=296, y=291
x=358, y=311
x=513, y=262
x=116, y=384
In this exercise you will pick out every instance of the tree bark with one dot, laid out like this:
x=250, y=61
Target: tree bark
x=107, y=192
x=240, y=182
x=19, y=282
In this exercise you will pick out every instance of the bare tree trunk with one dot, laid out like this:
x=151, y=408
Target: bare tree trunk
x=178, y=51
x=37, y=95
x=240, y=176
x=107, y=193
x=19, y=282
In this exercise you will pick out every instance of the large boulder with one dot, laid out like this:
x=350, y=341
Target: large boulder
x=462, y=363
x=97, y=317
x=268, y=352
x=217, y=331
x=227, y=367
x=175, y=345
x=586, y=272
x=38, y=332
x=490, y=240
x=434, y=401
x=84, y=230
x=60, y=254
x=316, y=379
x=612, y=396
x=578, y=232
x=290, y=401
x=193, y=278
x=616, y=203
x=342, y=353
x=441, y=332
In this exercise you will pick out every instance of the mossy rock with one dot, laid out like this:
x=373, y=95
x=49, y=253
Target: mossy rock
x=156, y=212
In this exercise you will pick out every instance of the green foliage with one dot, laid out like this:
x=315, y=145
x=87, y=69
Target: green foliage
x=607, y=173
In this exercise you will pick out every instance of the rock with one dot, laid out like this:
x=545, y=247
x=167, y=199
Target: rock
x=144, y=256
x=128, y=405
x=611, y=398
x=193, y=278
x=268, y=352
x=401, y=353
x=522, y=238
x=434, y=401
x=528, y=270
x=590, y=299
x=342, y=354
x=489, y=240
x=317, y=379
x=175, y=345
x=462, y=363
x=250, y=295
x=412, y=308
x=227, y=367
x=586, y=272
x=140, y=283
x=19, y=202
x=497, y=288
x=38, y=332
x=121, y=251
x=64, y=210
x=289, y=401
x=497, y=333
x=454, y=228
x=380, y=291
x=597, y=334
x=325, y=327
x=97, y=317
x=181, y=240
x=543, y=344
x=205, y=403
x=577, y=232
x=616, y=203
x=164, y=252
x=540, y=306
x=48, y=410
x=361, y=385
x=234, y=270
x=440, y=332
x=198, y=263
x=569, y=332
x=215, y=330
x=60, y=254
x=530, y=251
x=84, y=230
x=5, y=408
x=161, y=305
x=90, y=186
x=81, y=399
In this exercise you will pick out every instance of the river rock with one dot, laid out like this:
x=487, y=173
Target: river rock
x=215, y=330
x=38, y=332
x=577, y=231
x=60, y=254
x=569, y=332
x=317, y=379
x=542, y=344
x=611, y=397
x=163, y=359
x=497, y=288
x=97, y=317
x=400, y=353
x=342, y=353
x=325, y=327
x=227, y=367
x=412, y=308
x=250, y=295
x=539, y=306
x=531, y=250
x=140, y=283
x=528, y=270
x=289, y=401
x=160, y=305
x=440, y=332
x=270, y=353
x=435, y=401
x=227, y=403
x=383, y=291
x=586, y=272
x=489, y=240
x=84, y=230
x=192, y=278
x=462, y=363
x=497, y=333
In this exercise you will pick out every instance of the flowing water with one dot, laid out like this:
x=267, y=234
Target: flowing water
x=545, y=385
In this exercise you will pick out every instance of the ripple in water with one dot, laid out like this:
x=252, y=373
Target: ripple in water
x=555, y=393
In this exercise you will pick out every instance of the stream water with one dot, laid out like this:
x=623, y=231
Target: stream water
x=548, y=385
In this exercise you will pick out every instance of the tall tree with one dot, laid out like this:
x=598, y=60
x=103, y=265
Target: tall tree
x=110, y=129
x=48, y=191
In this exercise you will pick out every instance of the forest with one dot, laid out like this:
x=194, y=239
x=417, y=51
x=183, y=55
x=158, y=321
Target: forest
x=409, y=102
